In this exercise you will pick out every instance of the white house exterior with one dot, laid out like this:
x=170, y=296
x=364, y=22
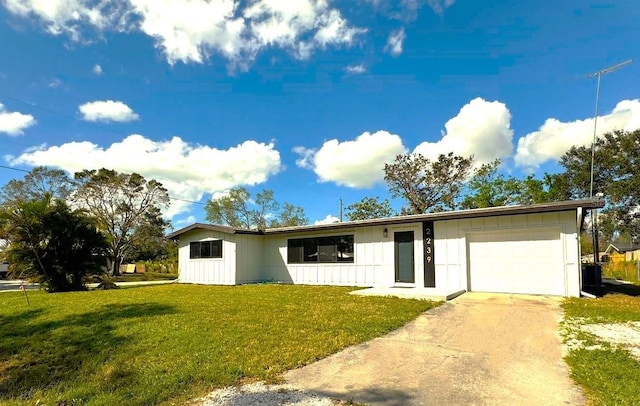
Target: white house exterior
x=515, y=249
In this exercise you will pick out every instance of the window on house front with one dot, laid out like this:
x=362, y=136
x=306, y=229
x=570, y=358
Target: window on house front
x=205, y=249
x=321, y=249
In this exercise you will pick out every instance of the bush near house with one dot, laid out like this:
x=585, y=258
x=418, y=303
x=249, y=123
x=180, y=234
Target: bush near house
x=624, y=270
x=147, y=276
x=169, y=266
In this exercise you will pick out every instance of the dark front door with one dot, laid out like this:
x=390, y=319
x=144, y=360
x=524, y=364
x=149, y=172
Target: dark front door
x=404, y=256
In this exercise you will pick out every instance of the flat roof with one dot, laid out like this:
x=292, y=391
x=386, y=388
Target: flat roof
x=444, y=215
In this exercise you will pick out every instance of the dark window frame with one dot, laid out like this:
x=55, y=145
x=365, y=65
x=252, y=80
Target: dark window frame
x=333, y=249
x=205, y=249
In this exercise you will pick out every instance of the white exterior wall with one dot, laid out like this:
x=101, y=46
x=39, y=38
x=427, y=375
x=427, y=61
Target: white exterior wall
x=249, y=256
x=451, y=244
x=373, y=259
x=215, y=271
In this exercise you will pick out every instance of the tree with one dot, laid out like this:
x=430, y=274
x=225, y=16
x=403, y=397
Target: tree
x=234, y=209
x=290, y=216
x=551, y=188
x=616, y=174
x=149, y=242
x=237, y=210
x=37, y=184
x=123, y=204
x=369, y=208
x=427, y=185
x=489, y=188
x=265, y=205
x=52, y=243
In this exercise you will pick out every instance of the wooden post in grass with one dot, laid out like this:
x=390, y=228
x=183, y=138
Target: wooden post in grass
x=25, y=294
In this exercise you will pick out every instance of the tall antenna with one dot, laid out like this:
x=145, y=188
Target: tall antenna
x=594, y=211
x=599, y=74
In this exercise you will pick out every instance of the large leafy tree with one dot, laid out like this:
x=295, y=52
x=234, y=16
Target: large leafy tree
x=551, y=188
x=427, y=185
x=237, y=209
x=370, y=208
x=616, y=176
x=289, y=216
x=52, y=243
x=123, y=204
x=149, y=242
x=37, y=184
x=489, y=188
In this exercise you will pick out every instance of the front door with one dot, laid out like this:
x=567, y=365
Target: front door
x=404, y=256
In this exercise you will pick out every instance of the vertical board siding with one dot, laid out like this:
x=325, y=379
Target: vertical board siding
x=451, y=244
x=216, y=271
x=249, y=257
x=373, y=261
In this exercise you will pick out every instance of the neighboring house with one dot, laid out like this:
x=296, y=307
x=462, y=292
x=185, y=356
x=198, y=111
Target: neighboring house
x=514, y=249
x=618, y=252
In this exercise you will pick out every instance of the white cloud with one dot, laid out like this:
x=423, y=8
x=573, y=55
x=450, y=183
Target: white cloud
x=191, y=30
x=355, y=69
x=555, y=137
x=14, y=123
x=306, y=157
x=358, y=163
x=300, y=26
x=327, y=220
x=403, y=10
x=185, y=221
x=55, y=83
x=481, y=128
x=395, y=42
x=107, y=110
x=97, y=70
x=70, y=16
x=438, y=6
x=187, y=171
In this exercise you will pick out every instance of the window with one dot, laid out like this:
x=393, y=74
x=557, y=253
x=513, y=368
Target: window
x=322, y=249
x=205, y=249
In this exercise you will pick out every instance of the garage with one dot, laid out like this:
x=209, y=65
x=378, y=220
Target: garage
x=529, y=261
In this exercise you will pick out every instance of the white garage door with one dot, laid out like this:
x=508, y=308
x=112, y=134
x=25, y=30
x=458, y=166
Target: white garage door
x=517, y=261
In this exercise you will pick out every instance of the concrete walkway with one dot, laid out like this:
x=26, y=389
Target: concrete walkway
x=477, y=349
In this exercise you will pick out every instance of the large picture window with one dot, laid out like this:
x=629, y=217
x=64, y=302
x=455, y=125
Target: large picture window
x=321, y=249
x=205, y=249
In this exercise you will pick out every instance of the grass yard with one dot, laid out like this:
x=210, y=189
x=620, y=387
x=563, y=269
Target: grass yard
x=608, y=373
x=170, y=343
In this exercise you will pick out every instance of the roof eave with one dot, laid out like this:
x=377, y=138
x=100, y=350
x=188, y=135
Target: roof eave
x=213, y=227
x=448, y=215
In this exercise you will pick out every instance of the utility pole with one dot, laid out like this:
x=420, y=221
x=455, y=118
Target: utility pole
x=341, y=210
x=594, y=211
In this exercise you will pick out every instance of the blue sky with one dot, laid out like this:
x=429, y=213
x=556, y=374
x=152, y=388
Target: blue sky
x=306, y=97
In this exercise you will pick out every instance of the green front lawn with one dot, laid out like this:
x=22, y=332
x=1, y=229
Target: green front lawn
x=171, y=343
x=608, y=373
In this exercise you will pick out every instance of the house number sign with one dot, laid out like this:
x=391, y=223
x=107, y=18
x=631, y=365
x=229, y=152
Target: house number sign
x=429, y=264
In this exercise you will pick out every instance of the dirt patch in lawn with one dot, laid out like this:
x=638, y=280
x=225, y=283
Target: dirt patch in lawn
x=626, y=335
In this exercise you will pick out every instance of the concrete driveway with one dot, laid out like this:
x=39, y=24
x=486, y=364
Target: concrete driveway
x=477, y=349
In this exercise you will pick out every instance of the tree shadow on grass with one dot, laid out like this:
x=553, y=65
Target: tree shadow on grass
x=38, y=354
